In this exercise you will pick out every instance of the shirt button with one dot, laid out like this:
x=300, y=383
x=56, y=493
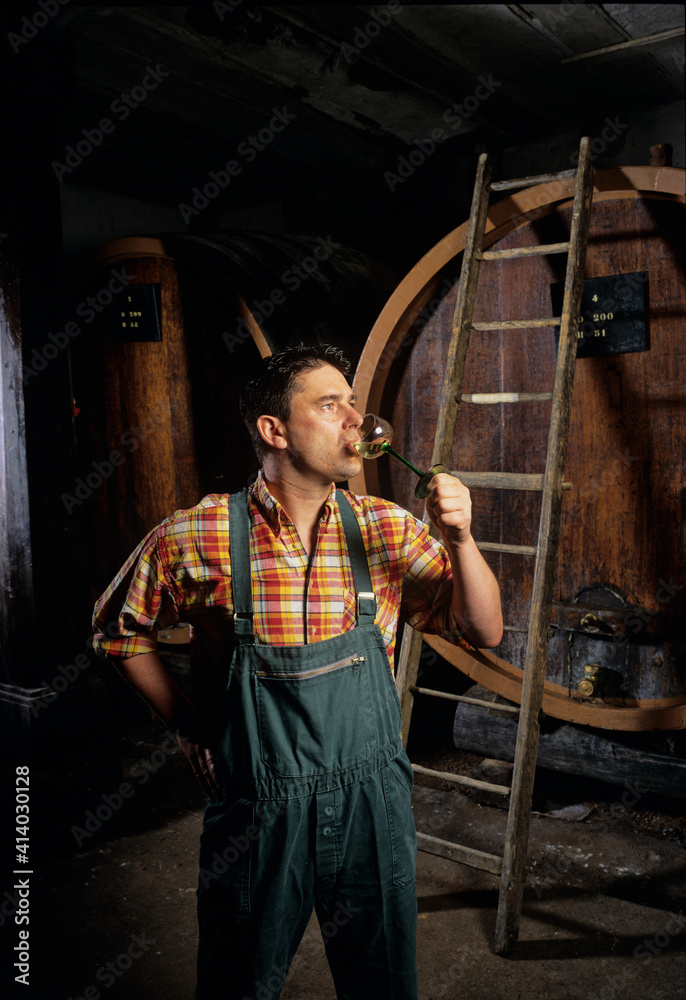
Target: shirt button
x=327, y=831
x=313, y=630
x=329, y=811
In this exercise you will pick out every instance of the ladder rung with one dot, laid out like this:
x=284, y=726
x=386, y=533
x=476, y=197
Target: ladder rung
x=458, y=852
x=515, y=628
x=462, y=779
x=517, y=550
x=504, y=480
x=487, y=398
x=511, y=709
x=516, y=324
x=520, y=182
x=536, y=251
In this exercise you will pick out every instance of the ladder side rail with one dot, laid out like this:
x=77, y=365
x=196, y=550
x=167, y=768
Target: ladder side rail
x=406, y=679
x=462, y=316
x=514, y=861
x=410, y=651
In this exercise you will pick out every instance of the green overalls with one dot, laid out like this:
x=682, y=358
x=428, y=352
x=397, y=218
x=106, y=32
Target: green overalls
x=316, y=808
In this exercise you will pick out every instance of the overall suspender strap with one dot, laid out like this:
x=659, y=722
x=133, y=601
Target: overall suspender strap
x=241, y=576
x=366, y=601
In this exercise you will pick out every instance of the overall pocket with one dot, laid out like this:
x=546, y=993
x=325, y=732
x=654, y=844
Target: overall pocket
x=397, y=778
x=316, y=719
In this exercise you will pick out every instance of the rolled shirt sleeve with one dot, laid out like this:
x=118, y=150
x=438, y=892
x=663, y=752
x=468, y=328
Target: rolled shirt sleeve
x=428, y=587
x=137, y=603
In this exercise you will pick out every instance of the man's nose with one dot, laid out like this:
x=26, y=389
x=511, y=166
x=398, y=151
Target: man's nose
x=354, y=416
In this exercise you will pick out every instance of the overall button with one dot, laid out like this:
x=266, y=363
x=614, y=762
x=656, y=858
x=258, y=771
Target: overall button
x=327, y=856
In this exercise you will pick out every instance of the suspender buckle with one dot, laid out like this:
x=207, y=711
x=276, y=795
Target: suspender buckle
x=366, y=596
x=242, y=624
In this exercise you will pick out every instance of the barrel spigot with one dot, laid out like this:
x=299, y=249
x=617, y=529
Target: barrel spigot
x=589, y=686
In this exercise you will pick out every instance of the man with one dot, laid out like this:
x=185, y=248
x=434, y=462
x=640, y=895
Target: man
x=294, y=589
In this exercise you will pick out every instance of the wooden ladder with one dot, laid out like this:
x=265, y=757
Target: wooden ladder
x=511, y=866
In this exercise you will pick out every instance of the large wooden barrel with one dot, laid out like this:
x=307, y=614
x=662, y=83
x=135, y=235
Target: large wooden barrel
x=168, y=330
x=620, y=587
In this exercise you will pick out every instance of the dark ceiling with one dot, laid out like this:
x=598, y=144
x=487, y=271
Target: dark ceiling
x=358, y=86
x=318, y=110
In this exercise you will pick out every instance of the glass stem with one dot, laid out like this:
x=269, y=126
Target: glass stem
x=391, y=451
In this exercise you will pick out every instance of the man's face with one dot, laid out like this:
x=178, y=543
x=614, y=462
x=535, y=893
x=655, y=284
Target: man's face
x=322, y=425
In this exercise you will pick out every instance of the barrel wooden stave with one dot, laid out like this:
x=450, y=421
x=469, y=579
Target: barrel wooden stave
x=133, y=406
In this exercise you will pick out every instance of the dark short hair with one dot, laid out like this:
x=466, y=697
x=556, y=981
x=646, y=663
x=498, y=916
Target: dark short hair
x=272, y=386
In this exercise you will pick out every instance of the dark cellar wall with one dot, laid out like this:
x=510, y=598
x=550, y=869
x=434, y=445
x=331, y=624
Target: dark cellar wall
x=393, y=217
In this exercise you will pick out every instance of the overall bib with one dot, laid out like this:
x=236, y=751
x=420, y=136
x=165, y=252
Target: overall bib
x=315, y=810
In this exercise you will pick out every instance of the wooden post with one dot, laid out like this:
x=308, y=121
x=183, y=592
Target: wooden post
x=16, y=577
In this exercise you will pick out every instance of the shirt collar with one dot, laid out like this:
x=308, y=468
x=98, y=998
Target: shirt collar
x=273, y=512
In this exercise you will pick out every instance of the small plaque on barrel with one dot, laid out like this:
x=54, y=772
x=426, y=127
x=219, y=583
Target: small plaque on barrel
x=613, y=315
x=135, y=315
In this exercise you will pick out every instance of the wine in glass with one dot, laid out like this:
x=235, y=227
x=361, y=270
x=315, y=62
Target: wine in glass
x=376, y=435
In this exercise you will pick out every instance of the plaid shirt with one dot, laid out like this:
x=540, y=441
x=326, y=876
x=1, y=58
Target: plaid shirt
x=181, y=571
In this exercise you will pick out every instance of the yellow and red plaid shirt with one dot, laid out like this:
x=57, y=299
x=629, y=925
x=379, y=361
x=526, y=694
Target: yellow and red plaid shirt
x=181, y=571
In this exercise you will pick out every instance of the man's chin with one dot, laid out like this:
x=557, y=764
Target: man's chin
x=348, y=469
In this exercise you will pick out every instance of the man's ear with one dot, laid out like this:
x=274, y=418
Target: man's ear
x=272, y=431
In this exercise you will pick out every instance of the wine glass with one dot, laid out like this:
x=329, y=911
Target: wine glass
x=376, y=435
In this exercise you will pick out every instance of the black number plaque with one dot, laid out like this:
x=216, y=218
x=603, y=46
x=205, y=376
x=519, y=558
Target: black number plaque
x=613, y=315
x=135, y=314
